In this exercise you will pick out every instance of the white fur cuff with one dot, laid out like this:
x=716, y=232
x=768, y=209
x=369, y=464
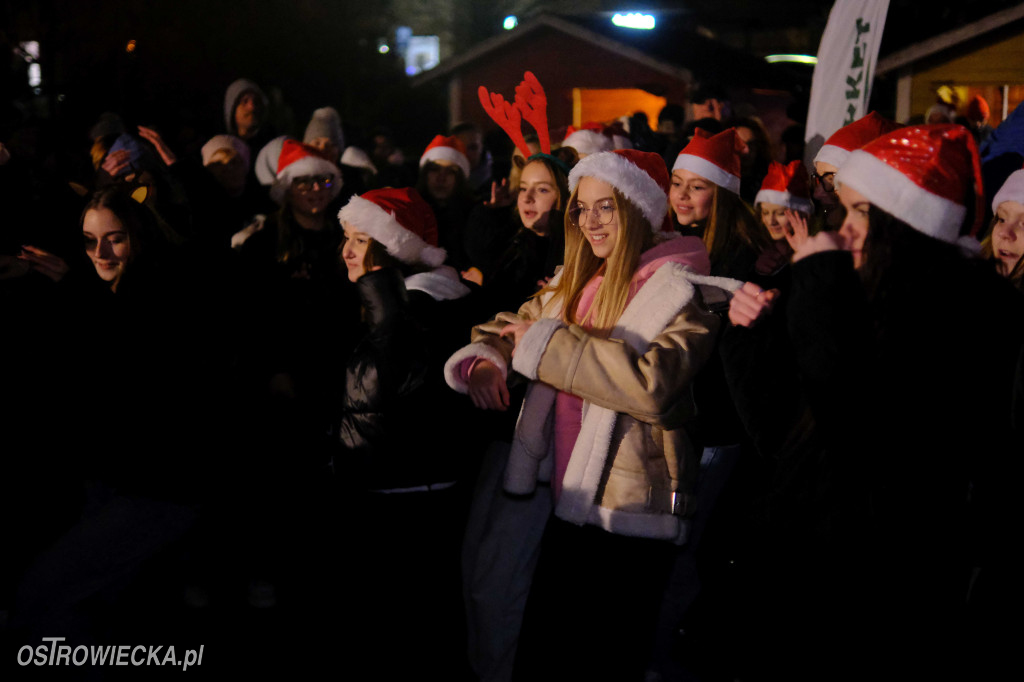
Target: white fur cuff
x=470, y=352
x=532, y=346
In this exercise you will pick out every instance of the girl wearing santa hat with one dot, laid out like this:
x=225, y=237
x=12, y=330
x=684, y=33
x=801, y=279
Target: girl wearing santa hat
x=610, y=347
x=914, y=444
x=403, y=486
x=706, y=202
x=444, y=169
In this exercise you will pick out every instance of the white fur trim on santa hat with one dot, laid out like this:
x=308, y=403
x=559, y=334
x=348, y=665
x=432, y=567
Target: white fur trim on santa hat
x=774, y=196
x=832, y=154
x=307, y=165
x=1012, y=190
x=708, y=170
x=449, y=154
x=898, y=195
x=587, y=142
x=632, y=182
x=266, y=160
x=382, y=226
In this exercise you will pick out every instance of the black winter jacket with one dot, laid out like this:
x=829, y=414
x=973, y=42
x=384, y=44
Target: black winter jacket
x=387, y=409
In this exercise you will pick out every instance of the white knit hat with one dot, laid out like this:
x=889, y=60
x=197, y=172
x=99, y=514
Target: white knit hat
x=218, y=142
x=1012, y=190
x=325, y=122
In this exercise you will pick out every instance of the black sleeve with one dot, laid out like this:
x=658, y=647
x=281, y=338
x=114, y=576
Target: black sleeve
x=830, y=326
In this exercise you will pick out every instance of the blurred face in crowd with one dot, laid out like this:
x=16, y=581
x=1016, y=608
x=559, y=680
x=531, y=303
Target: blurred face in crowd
x=228, y=169
x=712, y=108
x=538, y=195
x=824, y=181
x=596, y=215
x=248, y=114
x=328, y=149
x=774, y=218
x=353, y=251
x=382, y=148
x=690, y=197
x=442, y=179
x=106, y=243
x=824, y=192
x=309, y=195
x=474, y=142
x=1008, y=236
x=854, y=229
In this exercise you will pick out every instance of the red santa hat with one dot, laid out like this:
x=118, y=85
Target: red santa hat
x=641, y=177
x=922, y=175
x=854, y=136
x=715, y=158
x=786, y=186
x=450, y=149
x=400, y=220
x=297, y=160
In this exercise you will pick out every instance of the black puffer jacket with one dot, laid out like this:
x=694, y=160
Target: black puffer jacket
x=387, y=409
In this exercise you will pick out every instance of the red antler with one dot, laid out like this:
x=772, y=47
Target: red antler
x=533, y=103
x=506, y=116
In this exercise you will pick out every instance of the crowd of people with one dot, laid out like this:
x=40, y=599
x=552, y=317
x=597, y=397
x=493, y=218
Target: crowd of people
x=646, y=404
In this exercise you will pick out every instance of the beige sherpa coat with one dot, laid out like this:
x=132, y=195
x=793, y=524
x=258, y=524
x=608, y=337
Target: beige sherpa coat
x=633, y=467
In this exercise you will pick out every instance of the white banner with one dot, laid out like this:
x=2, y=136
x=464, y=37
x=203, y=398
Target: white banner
x=846, y=67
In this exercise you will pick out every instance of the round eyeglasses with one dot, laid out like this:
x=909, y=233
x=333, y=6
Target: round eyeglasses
x=306, y=182
x=604, y=210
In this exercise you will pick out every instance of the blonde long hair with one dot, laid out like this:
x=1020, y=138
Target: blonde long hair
x=634, y=237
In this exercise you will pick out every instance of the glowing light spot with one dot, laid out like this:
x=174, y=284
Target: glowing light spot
x=511, y=21
x=130, y=47
x=634, y=20
x=384, y=49
x=791, y=58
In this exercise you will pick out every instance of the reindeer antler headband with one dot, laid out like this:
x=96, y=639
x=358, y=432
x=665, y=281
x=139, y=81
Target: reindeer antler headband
x=531, y=105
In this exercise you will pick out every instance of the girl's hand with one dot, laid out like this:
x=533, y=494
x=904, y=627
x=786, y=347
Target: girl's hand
x=750, y=303
x=823, y=241
x=797, y=233
x=500, y=195
x=44, y=262
x=158, y=142
x=473, y=275
x=116, y=162
x=487, y=387
x=516, y=331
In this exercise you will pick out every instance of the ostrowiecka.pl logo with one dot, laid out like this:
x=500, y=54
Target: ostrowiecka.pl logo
x=51, y=652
